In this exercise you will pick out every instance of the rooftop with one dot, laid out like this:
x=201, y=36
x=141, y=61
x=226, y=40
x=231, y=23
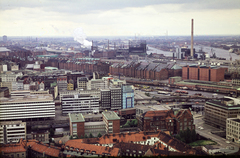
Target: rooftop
x=110, y=115
x=76, y=117
x=27, y=98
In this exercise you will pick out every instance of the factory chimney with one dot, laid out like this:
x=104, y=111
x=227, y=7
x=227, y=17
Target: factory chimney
x=192, y=39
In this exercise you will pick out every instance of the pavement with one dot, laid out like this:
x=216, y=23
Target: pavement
x=206, y=132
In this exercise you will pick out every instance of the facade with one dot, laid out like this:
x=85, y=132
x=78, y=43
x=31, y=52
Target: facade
x=116, y=98
x=203, y=73
x=105, y=99
x=112, y=121
x=127, y=96
x=12, y=131
x=233, y=129
x=62, y=83
x=40, y=136
x=79, y=103
x=82, y=83
x=13, y=151
x=70, y=85
x=76, y=123
x=97, y=84
x=218, y=111
x=4, y=92
x=41, y=86
x=166, y=120
x=27, y=107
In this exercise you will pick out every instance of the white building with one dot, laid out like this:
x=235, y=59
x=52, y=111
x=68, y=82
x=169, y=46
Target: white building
x=12, y=131
x=82, y=83
x=26, y=86
x=79, y=103
x=233, y=129
x=27, y=107
x=97, y=84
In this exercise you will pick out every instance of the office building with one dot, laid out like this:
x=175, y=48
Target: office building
x=62, y=83
x=127, y=96
x=105, y=99
x=28, y=107
x=218, y=111
x=12, y=131
x=97, y=84
x=79, y=103
x=116, y=98
x=233, y=129
x=82, y=83
x=112, y=121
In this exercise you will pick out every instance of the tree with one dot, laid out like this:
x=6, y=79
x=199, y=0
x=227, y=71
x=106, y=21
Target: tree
x=90, y=135
x=85, y=136
x=81, y=137
x=76, y=137
x=99, y=135
x=71, y=137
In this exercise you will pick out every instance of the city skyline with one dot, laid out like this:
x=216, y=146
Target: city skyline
x=119, y=18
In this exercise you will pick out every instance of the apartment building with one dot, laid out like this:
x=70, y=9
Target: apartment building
x=79, y=103
x=233, y=129
x=12, y=131
x=27, y=107
x=218, y=111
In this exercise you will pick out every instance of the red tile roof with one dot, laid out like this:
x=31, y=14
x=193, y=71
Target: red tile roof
x=40, y=148
x=77, y=145
x=12, y=148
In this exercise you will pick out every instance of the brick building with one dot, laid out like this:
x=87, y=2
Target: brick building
x=112, y=121
x=166, y=120
x=203, y=73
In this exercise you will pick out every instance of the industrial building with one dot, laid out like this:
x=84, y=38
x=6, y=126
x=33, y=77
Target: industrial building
x=203, y=73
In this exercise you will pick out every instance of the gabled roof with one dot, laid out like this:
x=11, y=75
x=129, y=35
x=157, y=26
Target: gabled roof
x=40, y=148
x=160, y=67
x=142, y=66
x=12, y=148
x=77, y=145
x=181, y=112
x=131, y=146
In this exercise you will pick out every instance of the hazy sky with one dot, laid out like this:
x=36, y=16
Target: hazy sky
x=119, y=17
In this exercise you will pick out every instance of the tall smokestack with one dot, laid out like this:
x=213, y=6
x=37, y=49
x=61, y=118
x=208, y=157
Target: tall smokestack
x=192, y=40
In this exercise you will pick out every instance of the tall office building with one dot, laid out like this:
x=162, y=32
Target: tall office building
x=62, y=83
x=4, y=38
x=105, y=99
x=116, y=98
x=127, y=96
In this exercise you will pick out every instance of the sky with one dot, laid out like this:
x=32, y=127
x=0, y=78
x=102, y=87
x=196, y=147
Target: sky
x=119, y=17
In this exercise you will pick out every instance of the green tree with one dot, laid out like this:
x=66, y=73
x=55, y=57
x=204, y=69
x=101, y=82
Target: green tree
x=81, y=137
x=90, y=135
x=71, y=137
x=76, y=137
x=99, y=135
x=85, y=136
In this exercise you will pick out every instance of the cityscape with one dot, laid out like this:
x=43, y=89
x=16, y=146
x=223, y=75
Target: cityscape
x=109, y=85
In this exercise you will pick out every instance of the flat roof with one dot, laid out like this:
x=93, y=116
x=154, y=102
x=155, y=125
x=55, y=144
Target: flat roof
x=206, y=84
x=92, y=115
x=76, y=117
x=236, y=120
x=27, y=98
x=94, y=123
x=221, y=105
x=110, y=115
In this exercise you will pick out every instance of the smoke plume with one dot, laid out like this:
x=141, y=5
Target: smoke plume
x=80, y=36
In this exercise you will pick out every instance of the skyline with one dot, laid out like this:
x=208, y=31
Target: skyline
x=115, y=18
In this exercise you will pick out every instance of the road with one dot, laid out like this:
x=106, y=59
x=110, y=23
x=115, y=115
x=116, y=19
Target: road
x=206, y=132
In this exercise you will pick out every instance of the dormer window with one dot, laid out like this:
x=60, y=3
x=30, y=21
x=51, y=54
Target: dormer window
x=127, y=150
x=139, y=152
x=134, y=151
